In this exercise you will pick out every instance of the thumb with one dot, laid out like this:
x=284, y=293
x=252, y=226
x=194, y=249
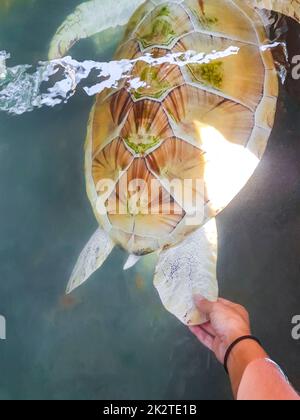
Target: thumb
x=204, y=305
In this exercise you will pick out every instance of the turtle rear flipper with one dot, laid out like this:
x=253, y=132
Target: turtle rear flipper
x=186, y=270
x=90, y=18
x=91, y=258
x=131, y=261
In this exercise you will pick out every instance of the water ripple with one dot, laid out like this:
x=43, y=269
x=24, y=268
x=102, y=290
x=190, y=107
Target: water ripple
x=24, y=88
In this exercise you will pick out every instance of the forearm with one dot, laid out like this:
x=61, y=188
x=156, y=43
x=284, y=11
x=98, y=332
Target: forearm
x=263, y=380
x=254, y=377
x=240, y=358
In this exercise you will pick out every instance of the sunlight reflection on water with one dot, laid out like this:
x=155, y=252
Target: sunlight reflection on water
x=22, y=88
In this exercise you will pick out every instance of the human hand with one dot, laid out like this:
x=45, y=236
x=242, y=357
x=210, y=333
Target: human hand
x=227, y=322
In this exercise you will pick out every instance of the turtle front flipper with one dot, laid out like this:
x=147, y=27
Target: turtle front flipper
x=289, y=8
x=92, y=257
x=186, y=270
x=88, y=19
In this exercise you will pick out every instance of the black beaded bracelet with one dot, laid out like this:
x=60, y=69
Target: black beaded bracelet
x=232, y=346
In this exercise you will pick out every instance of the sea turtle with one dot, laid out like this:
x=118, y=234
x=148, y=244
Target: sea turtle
x=207, y=121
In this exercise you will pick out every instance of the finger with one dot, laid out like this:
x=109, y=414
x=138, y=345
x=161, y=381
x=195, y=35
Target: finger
x=209, y=329
x=237, y=307
x=226, y=302
x=232, y=305
x=203, y=337
x=204, y=305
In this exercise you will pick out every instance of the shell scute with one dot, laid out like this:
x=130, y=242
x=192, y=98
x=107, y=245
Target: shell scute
x=137, y=18
x=110, y=161
x=219, y=63
x=221, y=17
x=163, y=26
x=146, y=127
x=144, y=206
x=108, y=118
x=128, y=50
x=180, y=168
x=192, y=110
x=156, y=80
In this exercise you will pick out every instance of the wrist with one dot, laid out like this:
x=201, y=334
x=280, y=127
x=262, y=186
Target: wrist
x=241, y=356
x=244, y=353
x=233, y=337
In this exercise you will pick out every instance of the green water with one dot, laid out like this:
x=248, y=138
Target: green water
x=112, y=339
